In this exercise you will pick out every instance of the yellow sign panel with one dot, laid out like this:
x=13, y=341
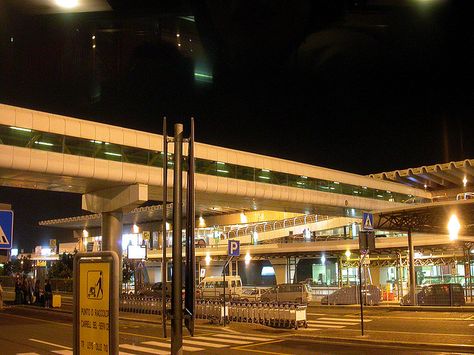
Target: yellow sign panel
x=146, y=235
x=94, y=308
x=41, y=263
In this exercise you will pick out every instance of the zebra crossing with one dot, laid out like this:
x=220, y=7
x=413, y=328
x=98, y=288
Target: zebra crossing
x=323, y=323
x=163, y=346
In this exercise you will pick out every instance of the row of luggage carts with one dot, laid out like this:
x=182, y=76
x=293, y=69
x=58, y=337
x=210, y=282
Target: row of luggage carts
x=141, y=304
x=279, y=315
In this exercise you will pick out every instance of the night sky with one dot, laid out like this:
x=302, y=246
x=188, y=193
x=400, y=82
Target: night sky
x=363, y=88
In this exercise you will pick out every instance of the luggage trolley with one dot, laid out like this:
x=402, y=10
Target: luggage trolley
x=298, y=316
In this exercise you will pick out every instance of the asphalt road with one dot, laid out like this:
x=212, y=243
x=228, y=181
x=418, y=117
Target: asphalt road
x=30, y=331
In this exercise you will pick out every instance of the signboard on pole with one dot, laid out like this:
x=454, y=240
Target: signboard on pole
x=96, y=303
x=53, y=245
x=233, y=248
x=368, y=221
x=6, y=229
x=366, y=241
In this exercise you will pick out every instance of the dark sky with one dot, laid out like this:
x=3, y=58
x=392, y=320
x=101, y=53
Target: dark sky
x=362, y=88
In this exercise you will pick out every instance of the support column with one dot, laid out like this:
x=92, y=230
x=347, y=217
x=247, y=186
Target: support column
x=400, y=276
x=467, y=271
x=112, y=232
x=111, y=204
x=339, y=271
x=411, y=269
x=280, y=266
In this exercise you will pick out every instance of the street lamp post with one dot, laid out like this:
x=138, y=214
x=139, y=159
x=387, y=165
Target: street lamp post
x=411, y=268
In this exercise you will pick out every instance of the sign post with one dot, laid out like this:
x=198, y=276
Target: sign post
x=6, y=229
x=233, y=249
x=366, y=244
x=96, y=303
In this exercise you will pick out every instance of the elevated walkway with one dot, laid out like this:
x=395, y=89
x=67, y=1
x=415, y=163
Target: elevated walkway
x=268, y=231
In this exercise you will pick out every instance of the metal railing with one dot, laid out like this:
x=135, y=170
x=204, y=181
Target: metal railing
x=261, y=227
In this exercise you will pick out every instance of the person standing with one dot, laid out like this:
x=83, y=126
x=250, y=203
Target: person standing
x=37, y=291
x=48, y=294
x=18, y=299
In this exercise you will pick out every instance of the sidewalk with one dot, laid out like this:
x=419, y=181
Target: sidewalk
x=432, y=341
x=394, y=306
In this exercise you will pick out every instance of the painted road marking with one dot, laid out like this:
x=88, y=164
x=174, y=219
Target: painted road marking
x=316, y=314
x=345, y=319
x=63, y=352
x=220, y=340
x=201, y=343
x=168, y=346
x=335, y=322
x=27, y=354
x=144, y=349
x=325, y=325
x=52, y=344
x=245, y=336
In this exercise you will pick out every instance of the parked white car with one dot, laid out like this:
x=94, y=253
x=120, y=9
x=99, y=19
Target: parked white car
x=213, y=287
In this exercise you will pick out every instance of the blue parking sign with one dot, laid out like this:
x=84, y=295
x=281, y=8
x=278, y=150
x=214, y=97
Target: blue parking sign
x=233, y=248
x=6, y=229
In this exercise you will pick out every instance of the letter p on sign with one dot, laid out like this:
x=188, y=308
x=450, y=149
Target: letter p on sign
x=233, y=248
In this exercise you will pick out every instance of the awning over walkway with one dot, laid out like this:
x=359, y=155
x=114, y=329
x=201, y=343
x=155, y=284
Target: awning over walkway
x=435, y=177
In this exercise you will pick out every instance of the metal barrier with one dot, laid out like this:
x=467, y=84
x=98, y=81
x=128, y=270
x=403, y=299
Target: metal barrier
x=278, y=315
x=141, y=304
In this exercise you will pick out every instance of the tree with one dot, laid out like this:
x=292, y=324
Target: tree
x=21, y=266
x=62, y=269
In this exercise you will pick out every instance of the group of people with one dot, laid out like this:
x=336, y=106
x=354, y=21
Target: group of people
x=28, y=291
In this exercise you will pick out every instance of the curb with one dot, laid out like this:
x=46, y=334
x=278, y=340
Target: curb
x=408, y=344
x=401, y=308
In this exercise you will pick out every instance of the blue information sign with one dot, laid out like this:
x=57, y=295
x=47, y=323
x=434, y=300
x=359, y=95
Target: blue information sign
x=233, y=248
x=368, y=221
x=6, y=229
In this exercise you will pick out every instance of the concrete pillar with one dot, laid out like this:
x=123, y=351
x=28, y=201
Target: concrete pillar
x=280, y=266
x=375, y=274
x=411, y=269
x=112, y=232
x=339, y=271
x=112, y=203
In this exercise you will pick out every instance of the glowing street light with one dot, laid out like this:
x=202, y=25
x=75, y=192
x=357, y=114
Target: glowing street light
x=67, y=4
x=247, y=258
x=323, y=259
x=464, y=181
x=85, y=233
x=453, y=227
x=348, y=254
x=207, y=259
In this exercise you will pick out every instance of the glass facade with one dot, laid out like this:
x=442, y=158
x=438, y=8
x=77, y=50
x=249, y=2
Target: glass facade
x=28, y=138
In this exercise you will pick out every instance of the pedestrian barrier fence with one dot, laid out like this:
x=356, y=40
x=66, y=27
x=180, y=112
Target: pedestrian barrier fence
x=278, y=315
